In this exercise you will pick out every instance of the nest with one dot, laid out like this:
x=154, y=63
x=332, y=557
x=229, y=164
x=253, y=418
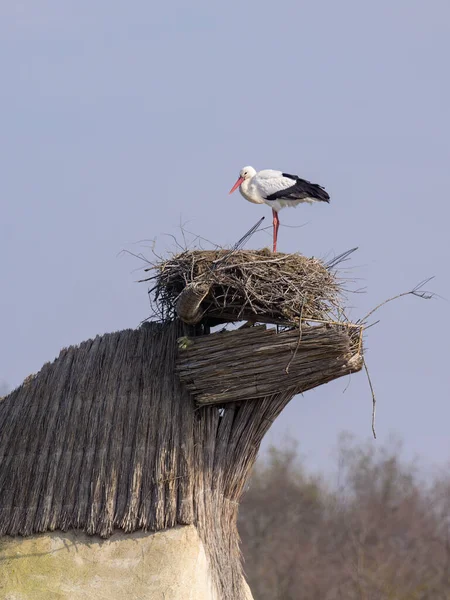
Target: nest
x=253, y=285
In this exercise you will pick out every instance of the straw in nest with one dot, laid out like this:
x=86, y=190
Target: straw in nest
x=245, y=284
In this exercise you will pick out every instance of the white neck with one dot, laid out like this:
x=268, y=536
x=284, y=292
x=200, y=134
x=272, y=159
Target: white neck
x=250, y=192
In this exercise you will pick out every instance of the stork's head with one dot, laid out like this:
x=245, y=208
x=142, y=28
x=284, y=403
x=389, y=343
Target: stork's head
x=245, y=173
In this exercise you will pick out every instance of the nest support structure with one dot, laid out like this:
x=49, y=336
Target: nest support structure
x=155, y=427
x=314, y=343
x=106, y=437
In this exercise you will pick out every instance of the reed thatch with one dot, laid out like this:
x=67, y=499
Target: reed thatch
x=106, y=438
x=255, y=362
x=244, y=284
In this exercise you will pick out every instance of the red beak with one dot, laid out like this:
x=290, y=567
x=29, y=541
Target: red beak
x=236, y=185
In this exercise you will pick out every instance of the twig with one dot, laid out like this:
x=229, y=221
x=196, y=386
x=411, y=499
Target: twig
x=343, y=257
x=348, y=384
x=416, y=291
x=360, y=340
x=295, y=226
x=177, y=243
x=199, y=237
x=298, y=342
x=371, y=325
x=238, y=244
x=374, y=400
x=327, y=322
x=139, y=256
x=182, y=225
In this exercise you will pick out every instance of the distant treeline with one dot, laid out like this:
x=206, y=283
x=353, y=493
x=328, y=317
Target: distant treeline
x=380, y=533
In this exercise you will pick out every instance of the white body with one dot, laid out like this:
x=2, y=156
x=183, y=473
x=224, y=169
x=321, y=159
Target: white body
x=258, y=186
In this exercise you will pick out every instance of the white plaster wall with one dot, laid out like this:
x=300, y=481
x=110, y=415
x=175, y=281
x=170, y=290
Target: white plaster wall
x=168, y=565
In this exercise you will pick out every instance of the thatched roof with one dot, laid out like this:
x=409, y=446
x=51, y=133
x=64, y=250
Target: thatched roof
x=106, y=438
x=234, y=366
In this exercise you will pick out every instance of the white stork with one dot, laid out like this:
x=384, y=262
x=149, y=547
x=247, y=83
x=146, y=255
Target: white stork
x=277, y=190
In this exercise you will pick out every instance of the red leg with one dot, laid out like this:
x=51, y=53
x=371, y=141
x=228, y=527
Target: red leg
x=276, y=224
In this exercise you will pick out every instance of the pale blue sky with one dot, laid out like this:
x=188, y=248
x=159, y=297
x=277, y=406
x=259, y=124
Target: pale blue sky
x=119, y=119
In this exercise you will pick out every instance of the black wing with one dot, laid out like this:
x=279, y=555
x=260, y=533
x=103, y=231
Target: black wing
x=300, y=190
